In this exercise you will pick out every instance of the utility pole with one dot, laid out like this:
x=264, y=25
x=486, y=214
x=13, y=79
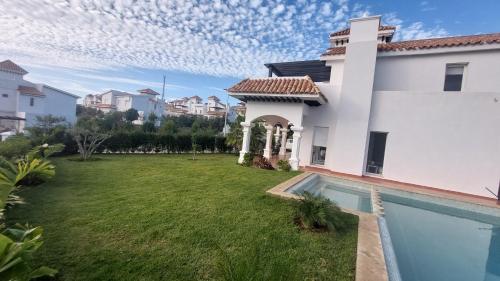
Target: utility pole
x=225, y=115
x=163, y=92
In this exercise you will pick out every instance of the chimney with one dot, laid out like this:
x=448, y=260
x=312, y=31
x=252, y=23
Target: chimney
x=353, y=113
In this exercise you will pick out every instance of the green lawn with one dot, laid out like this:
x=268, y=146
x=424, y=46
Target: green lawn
x=164, y=217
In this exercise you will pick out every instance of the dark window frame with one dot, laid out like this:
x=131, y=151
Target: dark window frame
x=375, y=166
x=32, y=101
x=454, y=82
x=5, y=95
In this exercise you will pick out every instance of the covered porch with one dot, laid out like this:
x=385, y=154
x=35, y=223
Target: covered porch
x=280, y=104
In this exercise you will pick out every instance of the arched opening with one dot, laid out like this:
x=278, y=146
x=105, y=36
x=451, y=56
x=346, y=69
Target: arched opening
x=272, y=136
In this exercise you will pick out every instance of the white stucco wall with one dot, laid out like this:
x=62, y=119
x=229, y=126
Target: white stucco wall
x=353, y=113
x=427, y=72
x=31, y=112
x=293, y=112
x=60, y=104
x=320, y=116
x=438, y=139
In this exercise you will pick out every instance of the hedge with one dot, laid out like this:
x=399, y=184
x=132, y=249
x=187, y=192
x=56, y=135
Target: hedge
x=128, y=142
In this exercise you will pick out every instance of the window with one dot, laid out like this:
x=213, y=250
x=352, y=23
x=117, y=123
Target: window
x=5, y=95
x=376, y=152
x=32, y=101
x=454, y=77
x=320, y=139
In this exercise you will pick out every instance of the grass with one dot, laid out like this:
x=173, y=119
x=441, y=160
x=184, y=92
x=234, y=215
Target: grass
x=145, y=217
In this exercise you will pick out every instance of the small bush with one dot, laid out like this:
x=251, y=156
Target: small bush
x=15, y=147
x=247, y=159
x=319, y=213
x=283, y=165
x=262, y=163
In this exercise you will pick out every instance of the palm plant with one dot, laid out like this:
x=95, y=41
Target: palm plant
x=319, y=213
x=17, y=246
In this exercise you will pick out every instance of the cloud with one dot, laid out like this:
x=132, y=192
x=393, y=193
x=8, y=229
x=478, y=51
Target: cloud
x=425, y=6
x=220, y=38
x=411, y=31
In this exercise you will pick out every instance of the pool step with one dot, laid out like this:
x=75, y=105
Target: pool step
x=377, y=207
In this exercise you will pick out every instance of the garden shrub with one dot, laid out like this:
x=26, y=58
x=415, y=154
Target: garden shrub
x=147, y=142
x=283, y=165
x=318, y=213
x=18, y=245
x=15, y=147
x=247, y=159
x=262, y=163
x=220, y=144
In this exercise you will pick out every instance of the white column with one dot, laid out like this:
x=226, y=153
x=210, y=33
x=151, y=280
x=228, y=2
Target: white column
x=294, y=158
x=277, y=136
x=245, y=146
x=268, y=148
x=284, y=133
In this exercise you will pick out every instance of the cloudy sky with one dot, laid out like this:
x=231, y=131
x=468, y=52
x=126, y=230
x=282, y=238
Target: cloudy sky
x=201, y=46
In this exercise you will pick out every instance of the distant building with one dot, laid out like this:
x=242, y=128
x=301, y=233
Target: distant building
x=146, y=102
x=21, y=101
x=195, y=106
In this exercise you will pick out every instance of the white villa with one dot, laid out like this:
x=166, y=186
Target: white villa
x=146, y=102
x=21, y=101
x=423, y=112
x=195, y=106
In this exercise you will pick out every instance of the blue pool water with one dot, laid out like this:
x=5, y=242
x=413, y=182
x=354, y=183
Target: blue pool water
x=438, y=242
x=344, y=196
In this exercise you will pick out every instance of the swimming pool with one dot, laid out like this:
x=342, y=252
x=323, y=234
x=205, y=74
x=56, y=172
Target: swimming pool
x=434, y=240
x=431, y=238
x=343, y=195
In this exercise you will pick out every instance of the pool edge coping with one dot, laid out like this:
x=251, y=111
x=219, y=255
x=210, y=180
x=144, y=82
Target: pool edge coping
x=370, y=260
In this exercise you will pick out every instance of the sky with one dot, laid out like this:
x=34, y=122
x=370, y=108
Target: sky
x=202, y=47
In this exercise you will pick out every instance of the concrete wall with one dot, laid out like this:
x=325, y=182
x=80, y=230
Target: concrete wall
x=8, y=85
x=349, y=140
x=427, y=72
x=60, y=104
x=321, y=116
x=31, y=112
x=438, y=139
x=292, y=112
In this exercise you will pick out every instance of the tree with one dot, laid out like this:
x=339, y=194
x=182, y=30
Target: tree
x=168, y=127
x=195, y=127
x=112, y=121
x=83, y=111
x=47, y=123
x=149, y=127
x=235, y=136
x=131, y=114
x=152, y=117
x=257, y=138
x=88, y=137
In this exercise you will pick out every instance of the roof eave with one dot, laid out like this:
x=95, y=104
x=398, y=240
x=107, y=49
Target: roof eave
x=320, y=98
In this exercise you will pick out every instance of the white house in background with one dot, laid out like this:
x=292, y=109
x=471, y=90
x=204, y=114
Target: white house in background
x=146, y=102
x=195, y=106
x=424, y=112
x=21, y=101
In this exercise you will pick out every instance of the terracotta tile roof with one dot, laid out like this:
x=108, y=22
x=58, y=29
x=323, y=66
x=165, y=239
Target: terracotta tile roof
x=277, y=85
x=347, y=31
x=441, y=42
x=30, y=91
x=455, y=41
x=148, y=91
x=8, y=65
